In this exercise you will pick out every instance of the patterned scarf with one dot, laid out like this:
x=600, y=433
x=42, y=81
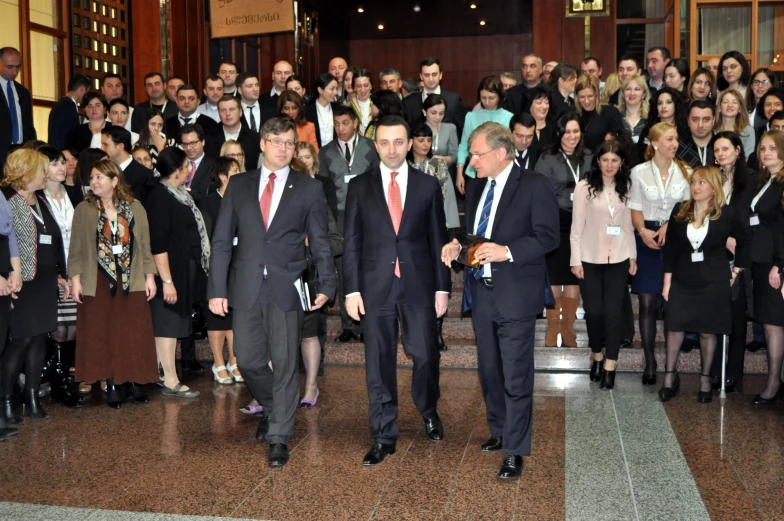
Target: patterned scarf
x=185, y=198
x=435, y=167
x=110, y=264
x=26, y=235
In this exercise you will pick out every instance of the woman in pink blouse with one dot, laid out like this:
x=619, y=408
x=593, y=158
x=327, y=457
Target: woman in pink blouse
x=603, y=254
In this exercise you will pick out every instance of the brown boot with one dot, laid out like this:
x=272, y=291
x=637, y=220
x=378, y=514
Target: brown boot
x=569, y=306
x=553, y=324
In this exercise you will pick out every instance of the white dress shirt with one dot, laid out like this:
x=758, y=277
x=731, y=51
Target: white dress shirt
x=196, y=162
x=500, y=182
x=193, y=117
x=256, y=109
x=125, y=163
x=350, y=143
x=235, y=136
x=281, y=176
x=425, y=93
x=4, y=85
x=326, y=124
x=209, y=111
x=648, y=195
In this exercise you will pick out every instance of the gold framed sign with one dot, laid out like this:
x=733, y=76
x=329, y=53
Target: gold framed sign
x=245, y=17
x=582, y=8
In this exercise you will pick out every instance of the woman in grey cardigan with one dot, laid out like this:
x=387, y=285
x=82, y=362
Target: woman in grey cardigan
x=444, y=135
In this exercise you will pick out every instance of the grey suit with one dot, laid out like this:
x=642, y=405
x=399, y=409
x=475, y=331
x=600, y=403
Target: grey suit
x=267, y=313
x=447, y=142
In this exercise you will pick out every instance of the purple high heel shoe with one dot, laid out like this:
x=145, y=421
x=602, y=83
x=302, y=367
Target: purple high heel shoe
x=309, y=403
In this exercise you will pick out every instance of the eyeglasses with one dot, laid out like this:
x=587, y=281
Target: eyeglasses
x=474, y=155
x=761, y=82
x=280, y=143
x=236, y=156
x=190, y=144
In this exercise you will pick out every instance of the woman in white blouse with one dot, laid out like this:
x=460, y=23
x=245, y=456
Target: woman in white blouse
x=603, y=254
x=319, y=111
x=362, y=83
x=657, y=186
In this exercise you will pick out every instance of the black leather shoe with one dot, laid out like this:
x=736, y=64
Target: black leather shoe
x=434, y=428
x=377, y=453
x=755, y=346
x=33, y=407
x=12, y=416
x=494, y=444
x=346, y=336
x=440, y=338
x=278, y=454
x=261, y=430
x=7, y=432
x=608, y=380
x=649, y=379
x=192, y=366
x=626, y=342
x=511, y=468
x=137, y=393
x=597, y=366
x=668, y=393
x=705, y=396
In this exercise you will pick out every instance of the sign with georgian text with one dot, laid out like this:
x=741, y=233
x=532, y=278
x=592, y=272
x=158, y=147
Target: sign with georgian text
x=245, y=17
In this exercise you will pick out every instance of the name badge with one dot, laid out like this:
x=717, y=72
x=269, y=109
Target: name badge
x=613, y=230
x=235, y=241
x=45, y=239
x=754, y=220
x=117, y=249
x=347, y=178
x=663, y=214
x=697, y=256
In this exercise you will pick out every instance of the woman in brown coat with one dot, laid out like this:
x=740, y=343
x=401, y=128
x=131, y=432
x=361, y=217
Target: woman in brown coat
x=113, y=280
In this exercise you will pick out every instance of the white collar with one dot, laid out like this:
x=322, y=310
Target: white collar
x=125, y=163
x=402, y=171
x=282, y=174
x=500, y=179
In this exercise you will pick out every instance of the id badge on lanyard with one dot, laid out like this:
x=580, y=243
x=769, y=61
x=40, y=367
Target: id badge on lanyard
x=576, y=175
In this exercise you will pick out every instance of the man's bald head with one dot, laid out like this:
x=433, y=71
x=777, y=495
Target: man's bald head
x=280, y=73
x=337, y=67
x=10, y=63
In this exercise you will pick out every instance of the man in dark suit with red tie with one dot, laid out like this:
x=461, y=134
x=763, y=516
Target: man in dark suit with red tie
x=517, y=211
x=394, y=227
x=16, y=107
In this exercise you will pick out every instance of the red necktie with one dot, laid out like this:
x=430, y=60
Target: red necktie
x=191, y=173
x=266, y=200
x=395, y=211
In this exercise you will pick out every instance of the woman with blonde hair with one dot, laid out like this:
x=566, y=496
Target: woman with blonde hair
x=633, y=104
x=658, y=185
x=611, y=85
x=113, y=277
x=599, y=123
x=697, y=276
x=733, y=117
x=232, y=149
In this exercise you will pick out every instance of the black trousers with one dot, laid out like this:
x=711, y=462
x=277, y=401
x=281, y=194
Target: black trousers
x=5, y=322
x=603, y=291
x=263, y=333
x=505, y=354
x=346, y=321
x=736, y=346
x=418, y=325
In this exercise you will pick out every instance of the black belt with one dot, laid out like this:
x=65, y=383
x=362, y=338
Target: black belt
x=487, y=282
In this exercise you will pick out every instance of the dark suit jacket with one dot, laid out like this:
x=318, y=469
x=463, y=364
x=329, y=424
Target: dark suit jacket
x=247, y=138
x=526, y=221
x=63, y=117
x=767, y=245
x=311, y=114
x=173, y=126
x=331, y=194
x=302, y=212
x=27, y=128
x=202, y=179
x=688, y=153
x=455, y=111
x=139, y=116
x=138, y=177
x=268, y=107
x=715, y=268
x=531, y=158
x=80, y=137
x=371, y=246
x=515, y=98
x=333, y=165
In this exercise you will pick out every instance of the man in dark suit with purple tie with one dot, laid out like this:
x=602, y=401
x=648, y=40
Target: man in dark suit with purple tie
x=394, y=227
x=516, y=210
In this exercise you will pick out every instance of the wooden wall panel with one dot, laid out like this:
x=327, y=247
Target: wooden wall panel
x=146, y=43
x=465, y=60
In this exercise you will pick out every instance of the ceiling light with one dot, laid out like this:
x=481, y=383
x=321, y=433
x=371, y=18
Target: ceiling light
x=481, y=22
x=473, y=6
x=380, y=27
x=360, y=10
x=417, y=8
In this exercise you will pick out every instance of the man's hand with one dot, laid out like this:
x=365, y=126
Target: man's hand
x=321, y=299
x=219, y=306
x=450, y=252
x=491, y=252
x=442, y=302
x=355, y=306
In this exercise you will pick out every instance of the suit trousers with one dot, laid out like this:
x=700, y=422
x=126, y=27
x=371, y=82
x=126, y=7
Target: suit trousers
x=603, y=288
x=736, y=345
x=505, y=354
x=263, y=333
x=418, y=325
x=346, y=321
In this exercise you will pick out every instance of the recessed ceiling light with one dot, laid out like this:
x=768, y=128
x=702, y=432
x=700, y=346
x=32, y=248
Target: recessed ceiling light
x=481, y=22
x=360, y=10
x=473, y=6
x=417, y=8
x=380, y=27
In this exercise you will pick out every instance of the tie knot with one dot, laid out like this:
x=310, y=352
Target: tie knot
x=492, y=183
x=272, y=176
x=394, y=175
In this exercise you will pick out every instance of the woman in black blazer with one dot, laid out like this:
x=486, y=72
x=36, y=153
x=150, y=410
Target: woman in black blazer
x=88, y=135
x=740, y=186
x=697, y=276
x=327, y=89
x=767, y=256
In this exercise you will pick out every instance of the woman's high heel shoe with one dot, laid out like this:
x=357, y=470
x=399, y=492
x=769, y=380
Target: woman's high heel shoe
x=705, y=396
x=309, y=403
x=137, y=393
x=223, y=381
x=237, y=377
x=608, y=379
x=668, y=393
x=113, y=397
x=596, y=370
x=649, y=379
x=33, y=407
x=759, y=400
x=12, y=417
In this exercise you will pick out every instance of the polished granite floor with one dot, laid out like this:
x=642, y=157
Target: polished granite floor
x=597, y=455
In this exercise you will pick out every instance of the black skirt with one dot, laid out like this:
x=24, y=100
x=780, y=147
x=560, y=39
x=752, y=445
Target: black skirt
x=215, y=322
x=768, y=302
x=706, y=308
x=310, y=326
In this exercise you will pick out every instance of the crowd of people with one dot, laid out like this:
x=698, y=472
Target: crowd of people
x=260, y=208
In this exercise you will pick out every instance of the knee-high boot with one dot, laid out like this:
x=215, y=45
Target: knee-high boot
x=569, y=306
x=553, y=323
x=58, y=374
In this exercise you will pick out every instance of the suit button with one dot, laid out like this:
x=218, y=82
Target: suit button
x=397, y=241
x=392, y=262
x=266, y=242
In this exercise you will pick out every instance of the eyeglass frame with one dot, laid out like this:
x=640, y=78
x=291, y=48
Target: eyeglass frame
x=277, y=143
x=472, y=155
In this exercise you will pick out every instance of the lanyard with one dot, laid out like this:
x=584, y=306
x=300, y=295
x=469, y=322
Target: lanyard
x=576, y=175
x=759, y=195
x=37, y=214
x=353, y=151
x=703, y=155
x=610, y=204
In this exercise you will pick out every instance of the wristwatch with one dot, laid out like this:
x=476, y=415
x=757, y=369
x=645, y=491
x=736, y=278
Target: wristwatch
x=167, y=281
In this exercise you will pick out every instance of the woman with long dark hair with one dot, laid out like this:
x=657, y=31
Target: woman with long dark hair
x=88, y=134
x=734, y=73
x=702, y=85
x=445, y=139
x=762, y=81
x=291, y=105
x=384, y=103
x=676, y=75
x=151, y=134
x=565, y=163
x=319, y=110
x=603, y=254
x=667, y=106
x=537, y=103
x=362, y=85
x=561, y=84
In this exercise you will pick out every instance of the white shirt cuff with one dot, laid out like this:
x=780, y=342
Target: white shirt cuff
x=509, y=254
x=355, y=294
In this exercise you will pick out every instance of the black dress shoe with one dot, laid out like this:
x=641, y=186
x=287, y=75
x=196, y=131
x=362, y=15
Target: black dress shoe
x=278, y=454
x=649, y=379
x=113, y=396
x=440, y=338
x=511, y=468
x=434, y=428
x=8, y=432
x=608, y=380
x=261, y=430
x=377, y=453
x=192, y=366
x=137, y=393
x=494, y=444
x=33, y=407
x=668, y=393
x=596, y=370
x=755, y=346
x=10, y=411
x=346, y=336
x=626, y=342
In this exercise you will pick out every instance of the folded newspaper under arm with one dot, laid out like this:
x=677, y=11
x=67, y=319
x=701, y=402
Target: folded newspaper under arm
x=467, y=254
